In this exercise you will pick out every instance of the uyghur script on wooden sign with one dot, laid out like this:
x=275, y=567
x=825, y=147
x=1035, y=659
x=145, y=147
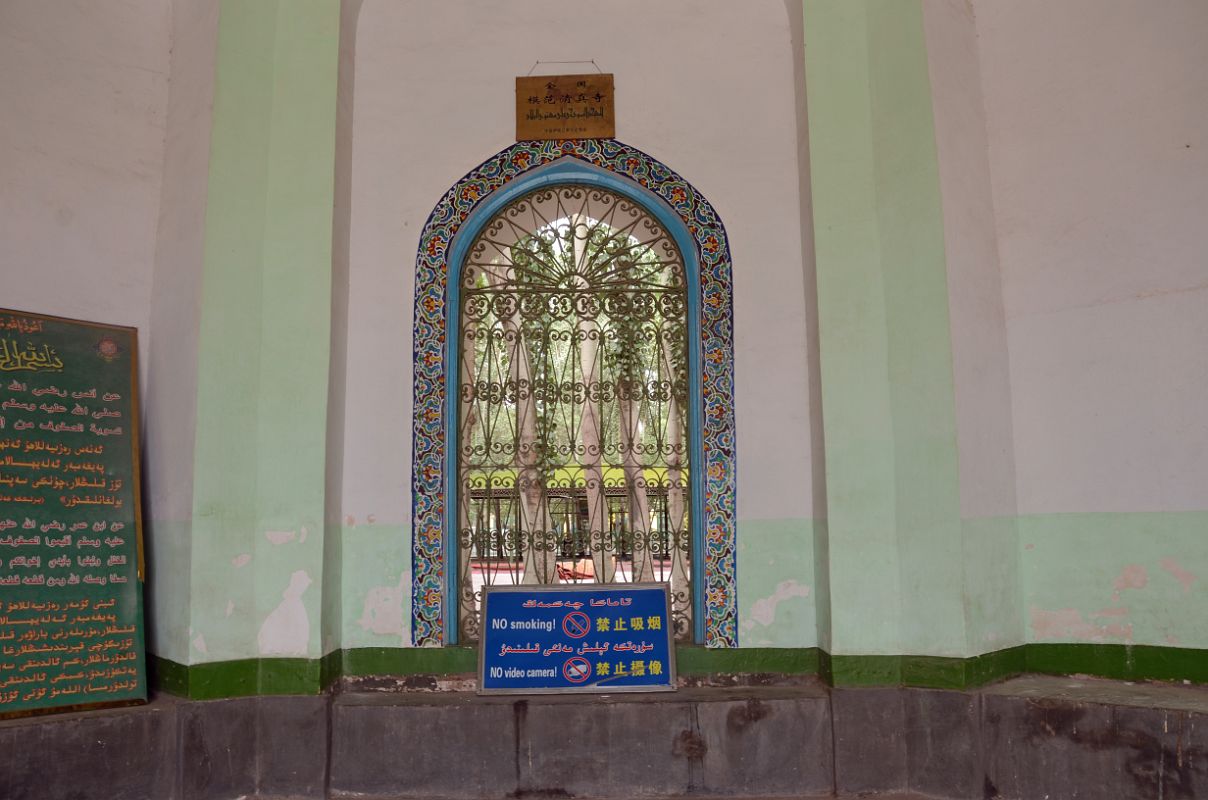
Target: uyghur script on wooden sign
x=71, y=613
x=565, y=107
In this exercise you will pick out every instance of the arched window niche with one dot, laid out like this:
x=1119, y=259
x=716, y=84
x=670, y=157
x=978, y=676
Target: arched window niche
x=504, y=236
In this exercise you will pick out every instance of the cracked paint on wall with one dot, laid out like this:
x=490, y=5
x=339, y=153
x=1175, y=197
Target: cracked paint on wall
x=383, y=609
x=775, y=583
x=763, y=612
x=286, y=630
x=1117, y=577
x=280, y=537
x=376, y=583
x=1068, y=623
x=1133, y=576
x=1181, y=575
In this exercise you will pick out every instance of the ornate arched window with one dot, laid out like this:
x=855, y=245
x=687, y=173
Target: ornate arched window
x=574, y=462
x=573, y=408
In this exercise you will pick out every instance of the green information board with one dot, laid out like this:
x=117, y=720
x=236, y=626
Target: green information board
x=71, y=601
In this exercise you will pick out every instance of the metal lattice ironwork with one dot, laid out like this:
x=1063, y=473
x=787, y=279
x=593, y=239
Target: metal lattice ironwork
x=573, y=447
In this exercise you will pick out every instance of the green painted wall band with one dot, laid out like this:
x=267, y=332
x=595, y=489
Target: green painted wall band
x=697, y=661
x=1120, y=661
x=931, y=672
x=248, y=677
x=270, y=676
x=365, y=661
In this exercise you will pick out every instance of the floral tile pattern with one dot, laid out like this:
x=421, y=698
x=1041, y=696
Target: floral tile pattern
x=717, y=372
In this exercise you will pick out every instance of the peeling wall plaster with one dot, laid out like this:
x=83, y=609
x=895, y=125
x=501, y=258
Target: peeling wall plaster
x=286, y=630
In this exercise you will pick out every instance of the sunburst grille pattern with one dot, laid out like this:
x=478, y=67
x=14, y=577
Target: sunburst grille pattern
x=573, y=461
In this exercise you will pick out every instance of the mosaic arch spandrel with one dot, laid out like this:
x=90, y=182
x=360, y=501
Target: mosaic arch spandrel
x=429, y=433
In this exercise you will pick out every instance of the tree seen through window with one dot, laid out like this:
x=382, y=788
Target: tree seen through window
x=573, y=446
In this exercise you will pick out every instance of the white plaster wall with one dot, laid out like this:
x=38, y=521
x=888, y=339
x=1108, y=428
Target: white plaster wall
x=980, y=361
x=809, y=267
x=706, y=87
x=1097, y=114
x=171, y=401
x=335, y=575
x=84, y=106
x=83, y=103
x=170, y=398
x=975, y=302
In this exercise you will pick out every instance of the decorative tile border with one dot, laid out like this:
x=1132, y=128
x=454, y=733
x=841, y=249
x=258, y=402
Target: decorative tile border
x=717, y=371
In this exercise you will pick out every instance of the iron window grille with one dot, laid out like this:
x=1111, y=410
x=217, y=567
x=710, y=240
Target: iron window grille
x=573, y=456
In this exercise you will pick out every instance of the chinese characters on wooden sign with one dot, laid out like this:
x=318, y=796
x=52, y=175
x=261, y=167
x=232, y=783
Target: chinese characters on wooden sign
x=565, y=107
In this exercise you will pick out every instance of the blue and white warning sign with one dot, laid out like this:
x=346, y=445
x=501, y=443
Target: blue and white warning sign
x=540, y=639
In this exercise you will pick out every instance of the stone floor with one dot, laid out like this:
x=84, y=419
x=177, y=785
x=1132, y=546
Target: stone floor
x=864, y=796
x=1031, y=738
x=1151, y=695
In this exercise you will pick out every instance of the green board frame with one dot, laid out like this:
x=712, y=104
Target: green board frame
x=71, y=538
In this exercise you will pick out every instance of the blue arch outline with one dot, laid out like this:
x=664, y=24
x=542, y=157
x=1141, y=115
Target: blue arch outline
x=565, y=171
x=717, y=563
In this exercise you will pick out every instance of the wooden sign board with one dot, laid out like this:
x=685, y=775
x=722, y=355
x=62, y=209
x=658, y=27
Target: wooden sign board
x=71, y=601
x=565, y=107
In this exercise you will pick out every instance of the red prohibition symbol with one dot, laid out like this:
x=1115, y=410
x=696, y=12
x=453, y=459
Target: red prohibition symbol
x=576, y=670
x=576, y=624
